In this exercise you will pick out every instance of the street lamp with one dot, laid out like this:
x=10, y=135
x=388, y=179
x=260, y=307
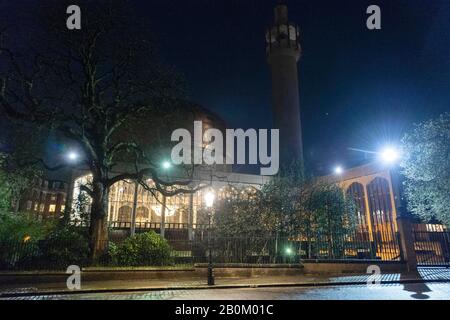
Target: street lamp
x=72, y=156
x=209, y=202
x=166, y=165
x=209, y=199
x=389, y=155
x=338, y=170
x=289, y=252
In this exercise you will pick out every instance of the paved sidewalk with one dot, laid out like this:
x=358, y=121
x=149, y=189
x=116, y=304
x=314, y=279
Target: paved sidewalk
x=423, y=275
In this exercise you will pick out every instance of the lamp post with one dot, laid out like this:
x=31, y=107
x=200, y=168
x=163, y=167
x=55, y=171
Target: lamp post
x=72, y=157
x=133, y=211
x=209, y=201
x=390, y=156
x=166, y=165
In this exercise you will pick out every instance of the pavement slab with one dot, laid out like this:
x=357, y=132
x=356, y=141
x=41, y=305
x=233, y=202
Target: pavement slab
x=422, y=275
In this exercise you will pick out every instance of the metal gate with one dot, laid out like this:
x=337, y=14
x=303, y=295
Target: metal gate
x=432, y=248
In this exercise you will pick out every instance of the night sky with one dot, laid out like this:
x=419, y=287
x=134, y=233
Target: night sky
x=358, y=88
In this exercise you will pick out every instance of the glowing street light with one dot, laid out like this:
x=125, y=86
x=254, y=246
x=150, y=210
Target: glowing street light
x=72, y=156
x=166, y=165
x=338, y=170
x=389, y=155
x=209, y=199
x=289, y=251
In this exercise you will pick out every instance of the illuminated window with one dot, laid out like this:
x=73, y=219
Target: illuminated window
x=125, y=214
x=434, y=227
x=356, y=191
x=380, y=205
x=52, y=208
x=142, y=214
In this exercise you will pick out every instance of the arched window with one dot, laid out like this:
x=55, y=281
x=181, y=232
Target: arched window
x=228, y=192
x=142, y=214
x=125, y=214
x=356, y=192
x=154, y=217
x=249, y=193
x=380, y=206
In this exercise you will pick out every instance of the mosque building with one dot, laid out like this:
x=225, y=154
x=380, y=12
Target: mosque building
x=372, y=185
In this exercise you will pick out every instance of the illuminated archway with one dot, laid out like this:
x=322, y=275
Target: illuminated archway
x=124, y=214
x=381, y=212
x=356, y=192
x=142, y=214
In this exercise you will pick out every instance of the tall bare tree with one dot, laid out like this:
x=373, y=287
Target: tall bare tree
x=90, y=85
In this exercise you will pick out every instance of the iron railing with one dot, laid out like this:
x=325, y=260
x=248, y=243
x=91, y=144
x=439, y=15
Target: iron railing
x=242, y=250
x=432, y=248
x=155, y=225
x=262, y=250
x=42, y=255
x=144, y=225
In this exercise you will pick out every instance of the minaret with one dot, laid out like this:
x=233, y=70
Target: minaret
x=283, y=52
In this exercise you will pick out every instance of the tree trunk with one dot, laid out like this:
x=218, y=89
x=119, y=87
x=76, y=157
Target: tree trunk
x=98, y=230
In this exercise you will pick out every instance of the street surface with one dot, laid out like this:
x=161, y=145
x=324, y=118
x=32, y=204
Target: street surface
x=436, y=291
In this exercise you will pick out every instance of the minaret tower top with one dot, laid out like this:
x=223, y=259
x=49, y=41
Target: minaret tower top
x=282, y=34
x=283, y=53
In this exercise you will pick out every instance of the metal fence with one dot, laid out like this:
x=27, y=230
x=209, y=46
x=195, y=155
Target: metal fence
x=240, y=250
x=42, y=255
x=263, y=250
x=155, y=225
x=432, y=248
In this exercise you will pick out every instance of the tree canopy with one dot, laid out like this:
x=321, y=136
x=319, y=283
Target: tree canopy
x=89, y=86
x=426, y=167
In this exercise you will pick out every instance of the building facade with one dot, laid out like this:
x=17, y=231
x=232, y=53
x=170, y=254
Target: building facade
x=46, y=198
x=373, y=190
x=150, y=210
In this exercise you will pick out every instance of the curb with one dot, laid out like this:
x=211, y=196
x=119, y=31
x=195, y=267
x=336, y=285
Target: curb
x=205, y=287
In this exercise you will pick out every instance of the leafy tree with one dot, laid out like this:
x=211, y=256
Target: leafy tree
x=426, y=167
x=241, y=229
x=20, y=234
x=289, y=206
x=19, y=227
x=14, y=182
x=282, y=199
x=239, y=213
x=329, y=217
x=89, y=86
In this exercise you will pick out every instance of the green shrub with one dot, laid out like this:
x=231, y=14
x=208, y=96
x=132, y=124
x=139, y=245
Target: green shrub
x=144, y=249
x=111, y=256
x=63, y=247
x=19, y=227
x=20, y=234
x=27, y=242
